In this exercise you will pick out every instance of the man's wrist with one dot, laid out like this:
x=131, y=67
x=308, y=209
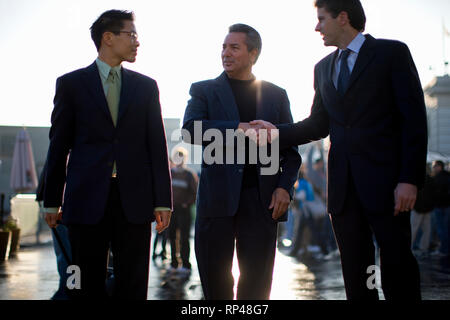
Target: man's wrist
x=244, y=126
x=51, y=210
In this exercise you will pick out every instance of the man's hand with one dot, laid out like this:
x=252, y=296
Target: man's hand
x=244, y=126
x=405, y=197
x=280, y=202
x=256, y=131
x=270, y=131
x=250, y=131
x=53, y=218
x=162, y=220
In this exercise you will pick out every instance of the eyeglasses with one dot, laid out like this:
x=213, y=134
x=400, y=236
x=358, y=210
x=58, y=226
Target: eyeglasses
x=133, y=35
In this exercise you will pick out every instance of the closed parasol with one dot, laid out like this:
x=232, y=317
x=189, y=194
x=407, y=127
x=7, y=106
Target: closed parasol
x=23, y=172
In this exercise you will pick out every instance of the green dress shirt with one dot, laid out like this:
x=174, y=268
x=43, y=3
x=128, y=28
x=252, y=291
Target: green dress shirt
x=103, y=70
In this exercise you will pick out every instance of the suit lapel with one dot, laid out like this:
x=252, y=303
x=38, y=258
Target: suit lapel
x=126, y=92
x=330, y=68
x=364, y=57
x=94, y=85
x=325, y=77
x=225, y=94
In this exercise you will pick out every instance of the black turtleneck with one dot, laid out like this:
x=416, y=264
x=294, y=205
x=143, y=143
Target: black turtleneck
x=245, y=92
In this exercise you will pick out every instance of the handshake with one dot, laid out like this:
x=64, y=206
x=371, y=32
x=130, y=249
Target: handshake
x=259, y=131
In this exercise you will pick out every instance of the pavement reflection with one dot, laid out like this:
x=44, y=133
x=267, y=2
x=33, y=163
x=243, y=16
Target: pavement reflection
x=32, y=275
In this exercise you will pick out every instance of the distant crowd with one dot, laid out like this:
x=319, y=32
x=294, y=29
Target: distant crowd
x=308, y=233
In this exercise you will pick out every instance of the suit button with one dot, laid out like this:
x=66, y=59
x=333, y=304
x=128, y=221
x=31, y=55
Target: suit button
x=109, y=164
x=348, y=127
x=116, y=141
x=241, y=170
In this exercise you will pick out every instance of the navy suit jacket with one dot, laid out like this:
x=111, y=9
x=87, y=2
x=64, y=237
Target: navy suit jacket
x=378, y=129
x=82, y=126
x=214, y=105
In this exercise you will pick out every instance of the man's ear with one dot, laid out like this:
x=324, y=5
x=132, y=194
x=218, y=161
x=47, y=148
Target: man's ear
x=107, y=38
x=343, y=18
x=254, y=55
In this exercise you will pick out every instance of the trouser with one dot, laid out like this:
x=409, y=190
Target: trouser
x=160, y=237
x=254, y=233
x=61, y=261
x=130, y=244
x=421, y=220
x=442, y=217
x=353, y=227
x=182, y=221
x=304, y=220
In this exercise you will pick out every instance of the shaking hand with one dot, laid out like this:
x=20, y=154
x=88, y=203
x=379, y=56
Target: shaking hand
x=253, y=132
x=267, y=132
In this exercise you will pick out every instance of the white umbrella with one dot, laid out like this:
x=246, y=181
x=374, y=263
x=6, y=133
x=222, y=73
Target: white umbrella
x=23, y=172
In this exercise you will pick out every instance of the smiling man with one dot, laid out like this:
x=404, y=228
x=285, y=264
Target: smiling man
x=369, y=99
x=117, y=180
x=237, y=205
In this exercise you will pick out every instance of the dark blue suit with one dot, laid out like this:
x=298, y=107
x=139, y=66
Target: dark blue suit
x=82, y=126
x=225, y=210
x=378, y=135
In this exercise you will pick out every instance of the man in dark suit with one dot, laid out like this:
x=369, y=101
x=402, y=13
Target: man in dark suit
x=118, y=179
x=237, y=202
x=369, y=99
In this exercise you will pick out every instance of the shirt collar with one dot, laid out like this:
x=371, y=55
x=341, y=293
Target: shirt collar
x=356, y=44
x=105, y=68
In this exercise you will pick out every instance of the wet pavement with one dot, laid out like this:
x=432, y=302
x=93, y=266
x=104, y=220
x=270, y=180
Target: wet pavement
x=32, y=275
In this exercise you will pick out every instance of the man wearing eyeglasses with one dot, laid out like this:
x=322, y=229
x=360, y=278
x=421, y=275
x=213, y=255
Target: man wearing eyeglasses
x=117, y=179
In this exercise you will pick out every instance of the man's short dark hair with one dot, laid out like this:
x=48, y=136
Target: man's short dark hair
x=252, y=39
x=353, y=8
x=439, y=163
x=112, y=21
x=319, y=160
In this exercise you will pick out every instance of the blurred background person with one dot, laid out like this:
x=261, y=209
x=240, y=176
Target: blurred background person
x=61, y=261
x=421, y=216
x=184, y=186
x=441, y=212
x=316, y=170
x=161, y=237
x=317, y=174
x=303, y=220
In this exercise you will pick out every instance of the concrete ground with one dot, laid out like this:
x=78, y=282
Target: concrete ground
x=32, y=275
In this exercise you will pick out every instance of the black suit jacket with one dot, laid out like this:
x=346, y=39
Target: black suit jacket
x=378, y=129
x=82, y=126
x=213, y=104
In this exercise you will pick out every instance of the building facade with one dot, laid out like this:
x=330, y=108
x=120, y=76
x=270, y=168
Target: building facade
x=40, y=142
x=437, y=99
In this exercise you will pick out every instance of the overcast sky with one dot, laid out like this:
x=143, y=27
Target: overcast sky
x=181, y=43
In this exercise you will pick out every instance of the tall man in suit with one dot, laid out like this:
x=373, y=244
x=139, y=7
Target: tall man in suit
x=118, y=179
x=236, y=202
x=369, y=99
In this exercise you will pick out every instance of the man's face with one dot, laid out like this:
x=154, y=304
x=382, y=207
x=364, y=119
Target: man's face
x=436, y=168
x=236, y=60
x=328, y=27
x=319, y=165
x=124, y=45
